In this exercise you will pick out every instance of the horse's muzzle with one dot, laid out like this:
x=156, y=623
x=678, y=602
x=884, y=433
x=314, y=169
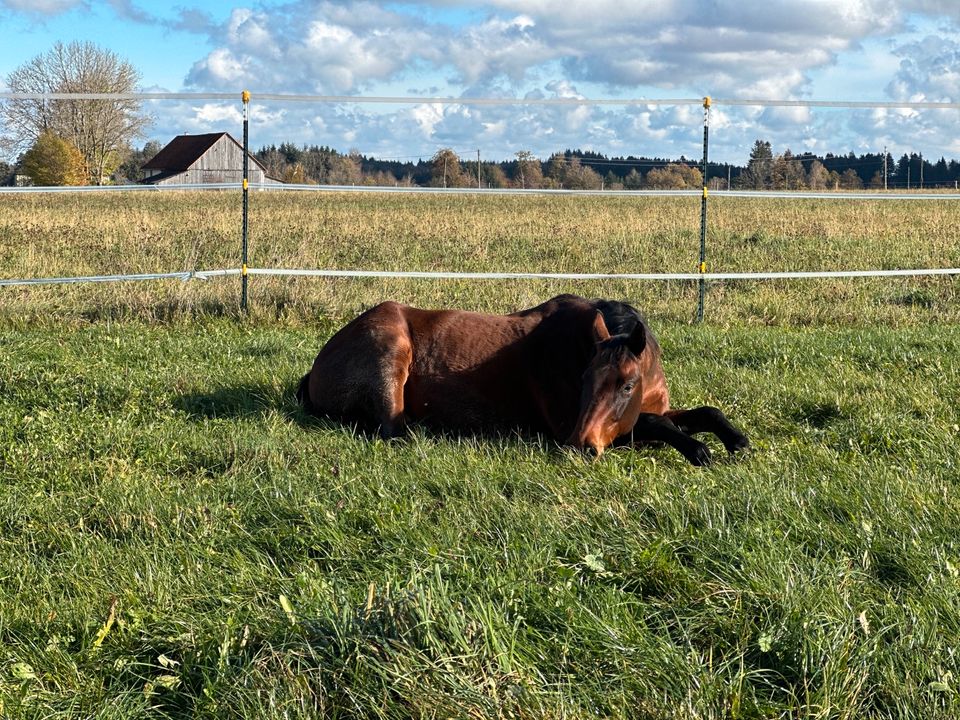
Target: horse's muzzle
x=588, y=442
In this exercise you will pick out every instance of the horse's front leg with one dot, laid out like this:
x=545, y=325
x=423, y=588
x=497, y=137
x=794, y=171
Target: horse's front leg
x=651, y=427
x=710, y=419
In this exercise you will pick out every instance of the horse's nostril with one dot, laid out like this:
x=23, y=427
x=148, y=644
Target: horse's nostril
x=593, y=449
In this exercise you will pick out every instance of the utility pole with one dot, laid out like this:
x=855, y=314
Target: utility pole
x=921, y=171
x=728, y=176
x=478, y=168
x=884, y=167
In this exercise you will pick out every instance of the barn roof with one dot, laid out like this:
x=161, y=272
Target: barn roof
x=184, y=150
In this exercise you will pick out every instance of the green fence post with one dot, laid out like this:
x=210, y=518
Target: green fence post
x=245, y=96
x=703, y=209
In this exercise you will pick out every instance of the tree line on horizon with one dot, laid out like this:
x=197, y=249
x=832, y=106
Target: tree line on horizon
x=52, y=160
x=587, y=170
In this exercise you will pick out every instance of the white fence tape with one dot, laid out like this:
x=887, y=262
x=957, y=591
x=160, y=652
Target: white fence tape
x=420, y=100
x=596, y=276
x=187, y=275
x=118, y=188
x=439, y=275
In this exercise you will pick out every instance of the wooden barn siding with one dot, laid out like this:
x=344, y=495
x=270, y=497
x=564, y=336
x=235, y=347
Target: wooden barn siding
x=196, y=177
x=215, y=166
x=183, y=179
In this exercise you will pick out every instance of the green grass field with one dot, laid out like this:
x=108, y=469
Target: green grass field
x=178, y=540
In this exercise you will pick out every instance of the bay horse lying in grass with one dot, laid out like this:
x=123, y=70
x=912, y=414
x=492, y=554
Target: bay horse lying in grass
x=584, y=372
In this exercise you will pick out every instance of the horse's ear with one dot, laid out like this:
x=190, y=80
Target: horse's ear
x=637, y=340
x=600, y=332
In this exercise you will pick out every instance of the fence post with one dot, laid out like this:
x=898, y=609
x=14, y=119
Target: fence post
x=245, y=96
x=703, y=209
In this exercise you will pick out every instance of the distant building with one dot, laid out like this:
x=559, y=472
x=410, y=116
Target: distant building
x=210, y=158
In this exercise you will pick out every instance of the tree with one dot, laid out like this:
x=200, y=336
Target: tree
x=674, y=177
x=130, y=170
x=100, y=129
x=577, y=176
x=494, y=176
x=849, y=180
x=6, y=173
x=272, y=160
x=445, y=169
x=557, y=168
x=54, y=161
x=787, y=173
x=757, y=176
x=529, y=171
x=346, y=170
x=633, y=180
x=294, y=174
x=817, y=177
x=612, y=181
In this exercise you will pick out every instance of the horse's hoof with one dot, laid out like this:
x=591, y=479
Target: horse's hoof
x=699, y=455
x=738, y=444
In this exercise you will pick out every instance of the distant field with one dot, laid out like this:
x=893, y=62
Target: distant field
x=54, y=235
x=178, y=540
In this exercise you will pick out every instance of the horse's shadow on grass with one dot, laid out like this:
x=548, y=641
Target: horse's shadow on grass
x=244, y=401
x=256, y=401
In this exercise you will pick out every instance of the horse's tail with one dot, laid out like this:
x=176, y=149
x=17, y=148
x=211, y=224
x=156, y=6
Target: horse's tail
x=303, y=394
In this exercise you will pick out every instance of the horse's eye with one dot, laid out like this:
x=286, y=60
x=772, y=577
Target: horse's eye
x=627, y=388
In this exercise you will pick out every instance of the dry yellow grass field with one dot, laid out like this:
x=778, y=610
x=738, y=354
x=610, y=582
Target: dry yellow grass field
x=82, y=234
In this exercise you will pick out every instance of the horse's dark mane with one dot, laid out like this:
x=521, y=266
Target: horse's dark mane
x=620, y=318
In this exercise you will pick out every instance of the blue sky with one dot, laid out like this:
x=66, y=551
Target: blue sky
x=776, y=49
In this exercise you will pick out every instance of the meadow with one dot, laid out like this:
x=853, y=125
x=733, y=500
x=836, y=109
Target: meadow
x=177, y=539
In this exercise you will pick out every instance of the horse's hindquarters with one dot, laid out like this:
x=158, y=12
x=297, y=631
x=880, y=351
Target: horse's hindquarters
x=359, y=375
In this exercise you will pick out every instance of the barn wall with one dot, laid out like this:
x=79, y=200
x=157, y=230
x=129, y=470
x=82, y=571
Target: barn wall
x=196, y=177
x=222, y=163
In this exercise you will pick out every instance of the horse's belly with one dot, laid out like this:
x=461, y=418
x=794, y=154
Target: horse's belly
x=460, y=403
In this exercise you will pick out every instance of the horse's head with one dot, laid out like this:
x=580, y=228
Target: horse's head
x=612, y=387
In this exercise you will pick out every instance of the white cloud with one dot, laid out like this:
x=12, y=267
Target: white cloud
x=929, y=70
x=42, y=7
x=214, y=114
x=498, y=47
x=325, y=48
x=782, y=49
x=427, y=117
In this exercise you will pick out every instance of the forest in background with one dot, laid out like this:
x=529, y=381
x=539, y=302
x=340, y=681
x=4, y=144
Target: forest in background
x=578, y=169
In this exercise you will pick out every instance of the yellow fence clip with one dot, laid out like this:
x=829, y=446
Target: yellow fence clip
x=703, y=267
x=243, y=270
x=704, y=190
x=706, y=102
x=245, y=96
x=245, y=184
